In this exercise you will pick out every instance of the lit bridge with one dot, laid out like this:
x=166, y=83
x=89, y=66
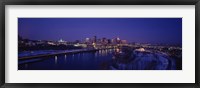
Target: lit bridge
x=61, y=53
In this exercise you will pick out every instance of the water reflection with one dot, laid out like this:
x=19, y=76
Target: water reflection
x=56, y=59
x=65, y=58
x=101, y=60
x=96, y=54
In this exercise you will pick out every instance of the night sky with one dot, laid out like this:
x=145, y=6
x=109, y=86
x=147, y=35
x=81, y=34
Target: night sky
x=142, y=30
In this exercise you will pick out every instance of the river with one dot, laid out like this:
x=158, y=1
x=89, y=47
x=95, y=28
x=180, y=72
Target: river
x=100, y=60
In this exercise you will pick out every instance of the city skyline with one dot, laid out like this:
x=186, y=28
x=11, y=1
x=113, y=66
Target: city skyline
x=99, y=43
x=162, y=30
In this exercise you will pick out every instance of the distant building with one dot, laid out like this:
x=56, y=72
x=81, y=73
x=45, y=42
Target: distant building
x=77, y=41
x=62, y=42
x=99, y=41
x=140, y=49
x=109, y=41
x=87, y=40
x=94, y=39
x=104, y=41
x=123, y=41
x=116, y=41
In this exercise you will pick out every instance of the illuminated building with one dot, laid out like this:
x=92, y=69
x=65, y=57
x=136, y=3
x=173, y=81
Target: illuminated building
x=82, y=45
x=51, y=43
x=62, y=42
x=87, y=40
x=124, y=41
x=140, y=50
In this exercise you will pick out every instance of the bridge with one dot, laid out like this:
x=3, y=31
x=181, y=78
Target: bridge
x=61, y=53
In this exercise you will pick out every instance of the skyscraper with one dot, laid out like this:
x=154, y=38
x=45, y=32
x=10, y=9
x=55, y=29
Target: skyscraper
x=94, y=39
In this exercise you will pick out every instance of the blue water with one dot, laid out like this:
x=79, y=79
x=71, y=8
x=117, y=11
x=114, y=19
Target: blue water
x=100, y=60
x=80, y=61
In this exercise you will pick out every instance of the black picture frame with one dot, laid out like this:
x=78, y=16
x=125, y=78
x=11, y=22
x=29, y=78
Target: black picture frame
x=98, y=2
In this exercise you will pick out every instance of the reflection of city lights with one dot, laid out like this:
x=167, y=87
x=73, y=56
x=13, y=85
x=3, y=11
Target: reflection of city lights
x=95, y=54
x=65, y=58
x=103, y=52
x=56, y=58
x=110, y=50
x=118, y=50
x=113, y=57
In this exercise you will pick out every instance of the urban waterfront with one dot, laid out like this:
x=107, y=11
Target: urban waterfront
x=102, y=60
x=79, y=61
x=100, y=44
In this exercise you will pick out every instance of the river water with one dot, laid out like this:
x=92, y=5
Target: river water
x=100, y=60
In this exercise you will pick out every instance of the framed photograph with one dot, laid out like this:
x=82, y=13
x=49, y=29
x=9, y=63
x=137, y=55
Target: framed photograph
x=85, y=43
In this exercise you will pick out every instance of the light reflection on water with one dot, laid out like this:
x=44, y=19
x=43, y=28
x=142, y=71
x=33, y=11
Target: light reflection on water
x=77, y=61
x=56, y=59
x=99, y=60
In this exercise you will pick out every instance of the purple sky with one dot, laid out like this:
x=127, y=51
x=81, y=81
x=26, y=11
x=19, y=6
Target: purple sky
x=143, y=30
